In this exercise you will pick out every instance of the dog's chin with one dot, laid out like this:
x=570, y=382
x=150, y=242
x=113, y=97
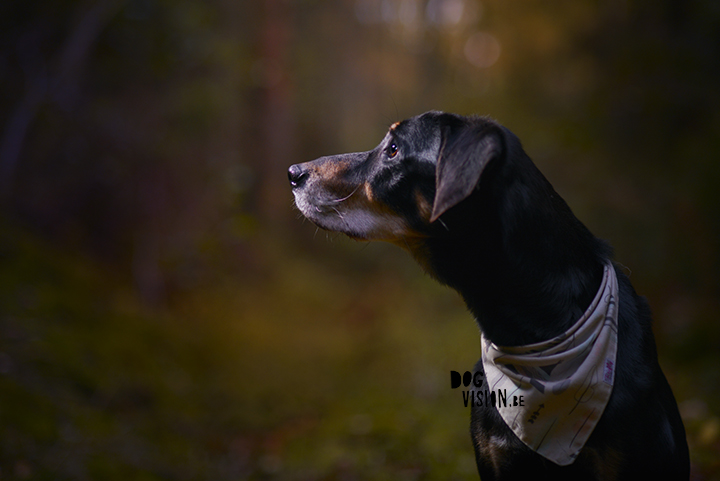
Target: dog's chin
x=336, y=225
x=326, y=218
x=357, y=224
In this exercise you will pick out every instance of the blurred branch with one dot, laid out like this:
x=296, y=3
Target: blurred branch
x=36, y=77
x=277, y=119
x=63, y=85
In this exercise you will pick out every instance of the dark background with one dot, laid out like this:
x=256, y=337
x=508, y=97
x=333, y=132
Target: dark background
x=166, y=314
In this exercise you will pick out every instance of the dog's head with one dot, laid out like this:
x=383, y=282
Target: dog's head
x=423, y=167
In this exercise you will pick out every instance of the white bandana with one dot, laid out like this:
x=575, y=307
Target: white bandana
x=565, y=383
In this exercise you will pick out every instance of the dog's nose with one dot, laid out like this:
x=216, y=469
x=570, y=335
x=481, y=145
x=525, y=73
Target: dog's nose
x=297, y=175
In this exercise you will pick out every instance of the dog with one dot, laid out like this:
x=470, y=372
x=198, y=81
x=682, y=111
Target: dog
x=461, y=195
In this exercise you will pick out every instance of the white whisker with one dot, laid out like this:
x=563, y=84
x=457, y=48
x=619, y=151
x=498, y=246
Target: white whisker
x=347, y=196
x=338, y=213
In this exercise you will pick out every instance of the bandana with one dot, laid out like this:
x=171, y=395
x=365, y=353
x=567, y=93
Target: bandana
x=565, y=383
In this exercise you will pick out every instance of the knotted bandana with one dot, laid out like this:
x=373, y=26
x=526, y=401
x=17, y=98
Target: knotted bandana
x=565, y=382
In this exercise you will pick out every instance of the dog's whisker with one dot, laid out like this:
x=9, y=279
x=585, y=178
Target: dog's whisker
x=342, y=218
x=338, y=213
x=343, y=199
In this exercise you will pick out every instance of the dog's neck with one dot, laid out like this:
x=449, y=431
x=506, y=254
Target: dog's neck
x=526, y=267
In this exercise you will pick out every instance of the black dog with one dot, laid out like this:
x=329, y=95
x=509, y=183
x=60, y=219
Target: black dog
x=461, y=195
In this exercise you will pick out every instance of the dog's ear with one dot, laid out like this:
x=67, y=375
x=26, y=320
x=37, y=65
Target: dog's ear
x=462, y=160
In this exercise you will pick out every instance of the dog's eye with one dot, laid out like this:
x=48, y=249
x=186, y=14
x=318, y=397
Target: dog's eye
x=391, y=151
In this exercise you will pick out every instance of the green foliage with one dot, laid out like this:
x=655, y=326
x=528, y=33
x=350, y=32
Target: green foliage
x=308, y=372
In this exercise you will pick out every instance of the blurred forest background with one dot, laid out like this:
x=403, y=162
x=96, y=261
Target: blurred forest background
x=164, y=312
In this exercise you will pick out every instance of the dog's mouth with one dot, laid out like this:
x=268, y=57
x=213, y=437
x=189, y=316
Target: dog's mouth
x=355, y=218
x=327, y=215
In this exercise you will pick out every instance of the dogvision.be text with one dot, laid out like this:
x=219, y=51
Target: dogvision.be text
x=482, y=397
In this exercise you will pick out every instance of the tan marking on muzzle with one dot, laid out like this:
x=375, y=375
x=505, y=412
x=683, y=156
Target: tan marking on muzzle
x=368, y=192
x=329, y=170
x=424, y=207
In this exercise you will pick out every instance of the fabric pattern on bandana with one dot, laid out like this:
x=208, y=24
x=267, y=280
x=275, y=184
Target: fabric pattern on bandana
x=565, y=382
